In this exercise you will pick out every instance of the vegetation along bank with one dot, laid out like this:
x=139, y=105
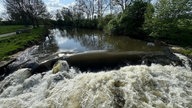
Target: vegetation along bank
x=12, y=44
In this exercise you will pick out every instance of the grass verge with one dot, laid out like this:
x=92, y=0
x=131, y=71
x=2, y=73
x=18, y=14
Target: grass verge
x=184, y=51
x=10, y=28
x=12, y=44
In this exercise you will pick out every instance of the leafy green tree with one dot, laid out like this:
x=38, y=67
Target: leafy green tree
x=133, y=18
x=148, y=23
x=169, y=16
x=103, y=21
x=130, y=21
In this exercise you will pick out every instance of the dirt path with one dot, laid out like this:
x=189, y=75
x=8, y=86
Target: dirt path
x=7, y=34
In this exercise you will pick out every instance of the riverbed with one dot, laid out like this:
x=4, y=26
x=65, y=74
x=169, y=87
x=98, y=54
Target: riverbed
x=130, y=86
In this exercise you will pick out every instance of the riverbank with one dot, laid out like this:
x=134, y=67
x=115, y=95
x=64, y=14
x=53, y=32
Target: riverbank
x=18, y=42
x=182, y=50
x=10, y=28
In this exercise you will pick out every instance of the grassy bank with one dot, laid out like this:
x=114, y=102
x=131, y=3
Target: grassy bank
x=12, y=44
x=10, y=28
x=183, y=50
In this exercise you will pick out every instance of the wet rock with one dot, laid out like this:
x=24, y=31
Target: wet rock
x=22, y=31
x=4, y=69
x=24, y=59
x=46, y=65
x=119, y=83
x=61, y=65
x=167, y=58
x=150, y=44
x=15, y=78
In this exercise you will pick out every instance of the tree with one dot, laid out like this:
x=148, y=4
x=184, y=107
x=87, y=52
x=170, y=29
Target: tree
x=58, y=15
x=67, y=16
x=122, y=3
x=26, y=10
x=91, y=8
x=169, y=16
x=148, y=23
x=102, y=6
x=129, y=22
x=87, y=7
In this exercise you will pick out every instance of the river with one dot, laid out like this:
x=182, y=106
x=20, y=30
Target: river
x=80, y=40
x=130, y=86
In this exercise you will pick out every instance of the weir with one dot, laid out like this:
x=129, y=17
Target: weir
x=110, y=60
x=109, y=72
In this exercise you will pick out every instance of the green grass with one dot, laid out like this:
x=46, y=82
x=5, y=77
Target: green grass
x=10, y=28
x=12, y=44
x=186, y=51
x=183, y=50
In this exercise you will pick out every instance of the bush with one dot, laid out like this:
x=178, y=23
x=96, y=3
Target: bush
x=112, y=27
x=129, y=22
x=104, y=21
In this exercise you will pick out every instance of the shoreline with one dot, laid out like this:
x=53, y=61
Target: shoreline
x=19, y=42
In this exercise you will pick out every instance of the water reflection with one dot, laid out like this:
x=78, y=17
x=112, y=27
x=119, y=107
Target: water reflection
x=80, y=40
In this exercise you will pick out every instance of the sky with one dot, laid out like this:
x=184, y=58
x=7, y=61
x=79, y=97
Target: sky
x=52, y=5
x=57, y=4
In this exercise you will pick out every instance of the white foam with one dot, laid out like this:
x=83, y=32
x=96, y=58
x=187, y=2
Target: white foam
x=131, y=86
x=184, y=59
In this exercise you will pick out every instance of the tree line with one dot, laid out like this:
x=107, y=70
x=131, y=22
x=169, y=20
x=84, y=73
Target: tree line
x=165, y=19
x=26, y=11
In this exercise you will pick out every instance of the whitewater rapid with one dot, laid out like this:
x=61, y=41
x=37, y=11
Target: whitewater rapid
x=138, y=86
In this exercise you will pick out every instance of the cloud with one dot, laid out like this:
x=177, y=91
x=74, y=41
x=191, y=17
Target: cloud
x=2, y=8
x=53, y=5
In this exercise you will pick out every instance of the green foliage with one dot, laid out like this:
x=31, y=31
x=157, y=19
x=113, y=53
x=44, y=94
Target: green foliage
x=12, y=44
x=130, y=21
x=169, y=15
x=112, y=27
x=79, y=23
x=87, y=23
x=171, y=21
x=148, y=23
x=103, y=21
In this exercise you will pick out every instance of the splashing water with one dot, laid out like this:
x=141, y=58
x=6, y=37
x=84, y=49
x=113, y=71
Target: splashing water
x=137, y=86
x=185, y=60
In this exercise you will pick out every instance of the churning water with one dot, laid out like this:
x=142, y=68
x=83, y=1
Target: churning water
x=138, y=86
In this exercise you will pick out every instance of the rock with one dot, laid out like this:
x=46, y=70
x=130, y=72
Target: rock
x=15, y=78
x=61, y=65
x=168, y=58
x=4, y=70
x=22, y=31
x=46, y=65
x=150, y=44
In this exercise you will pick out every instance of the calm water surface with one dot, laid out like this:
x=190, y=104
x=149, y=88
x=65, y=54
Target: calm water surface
x=79, y=40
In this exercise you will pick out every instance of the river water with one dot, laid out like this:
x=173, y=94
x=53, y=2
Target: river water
x=79, y=40
x=131, y=86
